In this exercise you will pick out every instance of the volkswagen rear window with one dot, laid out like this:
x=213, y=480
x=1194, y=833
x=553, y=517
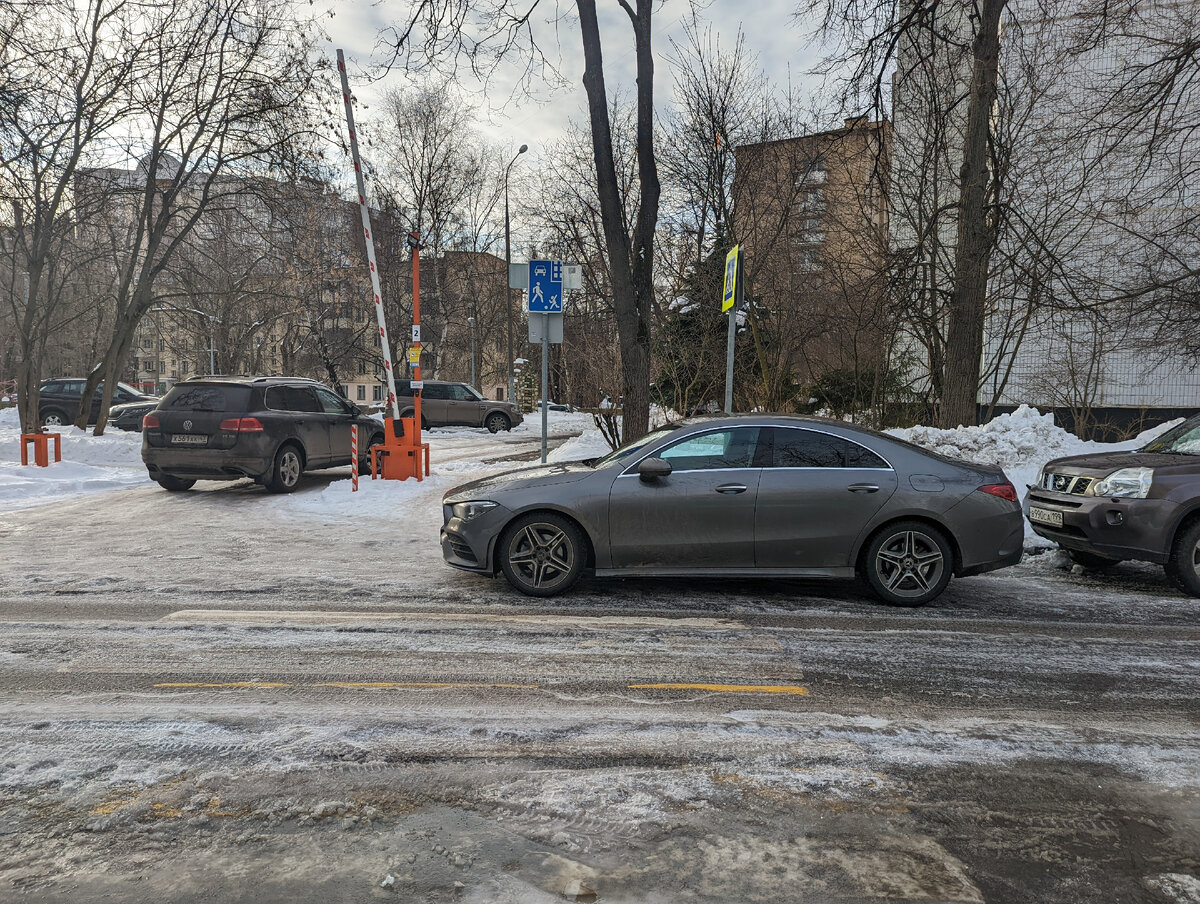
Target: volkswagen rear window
x=208, y=398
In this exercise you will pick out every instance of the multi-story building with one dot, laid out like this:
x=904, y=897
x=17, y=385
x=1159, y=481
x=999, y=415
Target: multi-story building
x=1084, y=221
x=811, y=213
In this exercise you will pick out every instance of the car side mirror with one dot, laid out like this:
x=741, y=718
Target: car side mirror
x=653, y=468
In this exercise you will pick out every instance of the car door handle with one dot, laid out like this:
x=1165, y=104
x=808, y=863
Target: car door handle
x=863, y=488
x=730, y=488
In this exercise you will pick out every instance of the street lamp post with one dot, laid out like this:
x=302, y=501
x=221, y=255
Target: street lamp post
x=507, y=264
x=471, y=324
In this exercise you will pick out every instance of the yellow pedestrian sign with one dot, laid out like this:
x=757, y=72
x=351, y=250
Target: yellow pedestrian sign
x=414, y=355
x=731, y=278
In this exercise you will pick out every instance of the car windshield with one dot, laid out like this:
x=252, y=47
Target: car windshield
x=633, y=447
x=1181, y=440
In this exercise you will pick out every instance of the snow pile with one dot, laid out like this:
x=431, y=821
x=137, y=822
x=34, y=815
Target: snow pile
x=1019, y=443
x=589, y=444
x=1011, y=441
x=89, y=464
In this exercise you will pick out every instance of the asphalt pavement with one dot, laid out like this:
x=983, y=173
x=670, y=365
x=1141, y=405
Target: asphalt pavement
x=222, y=696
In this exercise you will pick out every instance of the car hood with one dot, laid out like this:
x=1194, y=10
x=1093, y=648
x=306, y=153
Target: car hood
x=540, y=476
x=1103, y=463
x=145, y=406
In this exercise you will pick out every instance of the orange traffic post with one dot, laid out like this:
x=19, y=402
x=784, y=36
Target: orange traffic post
x=41, y=448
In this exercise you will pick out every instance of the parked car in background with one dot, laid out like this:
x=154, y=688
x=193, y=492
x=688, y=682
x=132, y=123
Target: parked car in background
x=129, y=416
x=1110, y=506
x=445, y=404
x=750, y=496
x=271, y=429
x=59, y=399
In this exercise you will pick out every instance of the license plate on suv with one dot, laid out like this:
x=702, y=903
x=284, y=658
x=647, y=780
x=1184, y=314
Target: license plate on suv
x=1045, y=516
x=198, y=439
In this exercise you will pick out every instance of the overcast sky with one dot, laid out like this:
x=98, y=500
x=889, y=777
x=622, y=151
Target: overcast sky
x=772, y=35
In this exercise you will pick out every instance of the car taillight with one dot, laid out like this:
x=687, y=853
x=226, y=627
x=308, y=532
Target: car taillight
x=1003, y=490
x=150, y=421
x=242, y=425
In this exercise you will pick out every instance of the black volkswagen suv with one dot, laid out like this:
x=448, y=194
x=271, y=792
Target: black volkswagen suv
x=271, y=429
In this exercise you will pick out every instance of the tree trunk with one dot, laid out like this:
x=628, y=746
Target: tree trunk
x=631, y=271
x=976, y=231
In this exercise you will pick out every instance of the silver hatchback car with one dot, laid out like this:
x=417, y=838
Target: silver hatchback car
x=754, y=496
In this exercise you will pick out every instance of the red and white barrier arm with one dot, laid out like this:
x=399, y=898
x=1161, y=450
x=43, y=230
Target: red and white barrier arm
x=366, y=224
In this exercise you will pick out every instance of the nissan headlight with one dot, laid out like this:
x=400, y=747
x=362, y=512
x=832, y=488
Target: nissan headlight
x=1041, y=475
x=467, y=511
x=1127, y=483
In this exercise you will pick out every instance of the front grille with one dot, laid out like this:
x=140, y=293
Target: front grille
x=1066, y=483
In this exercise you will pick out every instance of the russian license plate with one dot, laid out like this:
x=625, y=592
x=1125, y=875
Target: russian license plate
x=1045, y=516
x=191, y=439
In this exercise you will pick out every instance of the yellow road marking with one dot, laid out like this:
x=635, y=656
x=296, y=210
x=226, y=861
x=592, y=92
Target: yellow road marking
x=227, y=684
x=386, y=684
x=726, y=688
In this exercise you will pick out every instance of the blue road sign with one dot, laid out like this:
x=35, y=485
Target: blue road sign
x=545, y=287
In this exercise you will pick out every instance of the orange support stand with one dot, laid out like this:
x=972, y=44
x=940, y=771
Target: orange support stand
x=41, y=448
x=402, y=454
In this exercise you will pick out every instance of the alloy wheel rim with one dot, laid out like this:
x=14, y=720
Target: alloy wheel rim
x=289, y=468
x=53, y=420
x=541, y=554
x=909, y=564
x=1196, y=559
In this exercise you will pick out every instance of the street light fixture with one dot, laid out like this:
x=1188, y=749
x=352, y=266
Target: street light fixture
x=507, y=265
x=471, y=324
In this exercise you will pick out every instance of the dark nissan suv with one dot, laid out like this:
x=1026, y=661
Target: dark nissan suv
x=271, y=429
x=1109, y=506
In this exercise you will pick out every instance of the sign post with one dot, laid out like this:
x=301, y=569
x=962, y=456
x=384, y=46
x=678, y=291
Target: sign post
x=545, y=302
x=730, y=302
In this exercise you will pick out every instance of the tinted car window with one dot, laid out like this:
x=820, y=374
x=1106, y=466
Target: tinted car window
x=330, y=403
x=799, y=448
x=436, y=391
x=807, y=449
x=207, y=398
x=461, y=394
x=720, y=449
x=300, y=398
x=861, y=457
x=403, y=388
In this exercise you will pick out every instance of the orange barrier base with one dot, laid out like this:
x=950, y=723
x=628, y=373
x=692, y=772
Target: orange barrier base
x=400, y=458
x=41, y=448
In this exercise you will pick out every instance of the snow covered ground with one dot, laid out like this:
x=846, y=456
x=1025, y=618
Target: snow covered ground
x=1020, y=443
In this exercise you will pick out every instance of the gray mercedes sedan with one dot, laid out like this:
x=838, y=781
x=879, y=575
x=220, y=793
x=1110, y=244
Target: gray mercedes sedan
x=751, y=496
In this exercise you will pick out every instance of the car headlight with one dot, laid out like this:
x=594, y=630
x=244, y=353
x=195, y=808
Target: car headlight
x=1041, y=475
x=466, y=511
x=1127, y=483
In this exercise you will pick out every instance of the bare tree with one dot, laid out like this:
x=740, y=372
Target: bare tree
x=220, y=98
x=483, y=33
x=66, y=74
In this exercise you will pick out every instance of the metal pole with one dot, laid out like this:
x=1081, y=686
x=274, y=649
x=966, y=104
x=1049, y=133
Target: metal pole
x=212, y=348
x=471, y=324
x=545, y=377
x=414, y=242
x=507, y=264
x=729, y=360
x=385, y=346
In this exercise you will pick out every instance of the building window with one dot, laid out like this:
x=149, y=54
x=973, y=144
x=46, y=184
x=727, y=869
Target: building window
x=187, y=365
x=377, y=394
x=162, y=345
x=362, y=393
x=162, y=367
